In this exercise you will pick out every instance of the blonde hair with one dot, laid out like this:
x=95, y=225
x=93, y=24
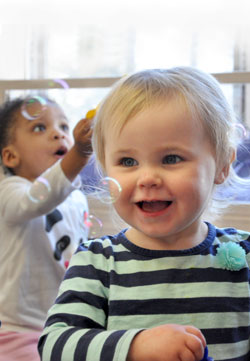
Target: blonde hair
x=200, y=91
x=133, y=94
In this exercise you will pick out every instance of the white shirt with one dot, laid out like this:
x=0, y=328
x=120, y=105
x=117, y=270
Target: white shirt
x=32, y=259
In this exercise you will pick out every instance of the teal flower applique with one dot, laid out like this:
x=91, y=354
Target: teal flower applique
x=231, y=256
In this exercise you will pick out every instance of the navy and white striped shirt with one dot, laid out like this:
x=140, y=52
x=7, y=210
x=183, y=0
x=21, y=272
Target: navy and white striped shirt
x=113, y=289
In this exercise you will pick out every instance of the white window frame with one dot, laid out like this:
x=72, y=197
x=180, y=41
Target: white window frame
x=83, y=83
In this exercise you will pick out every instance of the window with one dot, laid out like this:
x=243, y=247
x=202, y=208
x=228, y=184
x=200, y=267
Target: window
x=91, y=44
x=112, y=38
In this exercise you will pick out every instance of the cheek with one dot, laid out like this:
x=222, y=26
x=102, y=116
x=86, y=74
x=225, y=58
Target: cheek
x=124, y=207
x=114, y=173
x=199, y=190
x=189, y=186
x=127, y=187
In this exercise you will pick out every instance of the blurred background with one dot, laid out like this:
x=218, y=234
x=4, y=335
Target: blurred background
x=74, y=50
x=81, y=42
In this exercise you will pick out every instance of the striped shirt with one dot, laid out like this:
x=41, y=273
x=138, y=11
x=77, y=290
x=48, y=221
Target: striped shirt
x=113, y=289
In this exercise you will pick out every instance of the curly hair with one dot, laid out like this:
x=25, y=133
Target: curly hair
x=8, y=116
x=8, y=112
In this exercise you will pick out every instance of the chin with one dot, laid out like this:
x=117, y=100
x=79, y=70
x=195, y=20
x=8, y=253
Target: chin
x=153, y=231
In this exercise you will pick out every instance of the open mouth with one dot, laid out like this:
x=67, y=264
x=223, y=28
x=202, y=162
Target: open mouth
x=153, y=206
x=61, y=151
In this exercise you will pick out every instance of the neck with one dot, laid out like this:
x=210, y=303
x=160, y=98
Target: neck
x=183, y=240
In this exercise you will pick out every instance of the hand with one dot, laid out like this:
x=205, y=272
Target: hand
x=82, y=134
x=168, y=343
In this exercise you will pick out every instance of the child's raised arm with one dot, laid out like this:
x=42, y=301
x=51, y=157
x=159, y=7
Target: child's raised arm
x=79, y=154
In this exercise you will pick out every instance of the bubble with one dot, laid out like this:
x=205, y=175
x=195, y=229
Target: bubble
x=33, y=107
x=55, y=82
x=240, y=131
x=109, y=190
x=94, y=225
x=40, y=190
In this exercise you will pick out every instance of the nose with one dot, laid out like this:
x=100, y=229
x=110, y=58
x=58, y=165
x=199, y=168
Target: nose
x=57, y=133
x=149, y=179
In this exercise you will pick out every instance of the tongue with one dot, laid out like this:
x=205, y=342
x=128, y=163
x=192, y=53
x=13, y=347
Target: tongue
x=154, y=206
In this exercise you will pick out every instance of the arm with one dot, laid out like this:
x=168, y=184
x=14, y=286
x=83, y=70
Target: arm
x=78, y=156
x=77, y=325
x=18, y=195
x=76, y=328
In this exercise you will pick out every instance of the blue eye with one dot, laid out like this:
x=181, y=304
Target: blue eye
x=128, y=162
x=39, y=128
x=171, y=159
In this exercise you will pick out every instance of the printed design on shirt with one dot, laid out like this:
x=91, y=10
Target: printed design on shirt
x=52, y=218
x=61, y=245
x=63, y=242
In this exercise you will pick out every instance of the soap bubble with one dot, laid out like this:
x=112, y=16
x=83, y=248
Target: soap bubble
x=40, y=190
x=55, y=82
x=109, y=190
x=240, y=131
x=94, y=225
x=33, y=107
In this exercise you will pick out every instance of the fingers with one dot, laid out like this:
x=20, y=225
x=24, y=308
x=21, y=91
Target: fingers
x=168, y=342
x=196, y=332
x=82, y=135
x=187, y=355
x=195, y=344
x=83, y=130
x=84, y=125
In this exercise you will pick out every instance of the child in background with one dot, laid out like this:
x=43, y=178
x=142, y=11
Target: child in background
x=171, y=286
x=42, y=216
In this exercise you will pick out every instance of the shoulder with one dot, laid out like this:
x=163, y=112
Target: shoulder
x=233, y=247
x=232, y=234
x=13, y=183
x=107, y=245
x=105, y=249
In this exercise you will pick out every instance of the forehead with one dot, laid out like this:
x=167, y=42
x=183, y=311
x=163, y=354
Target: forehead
x=35, y=113
x=168, y=124
x=170, y=110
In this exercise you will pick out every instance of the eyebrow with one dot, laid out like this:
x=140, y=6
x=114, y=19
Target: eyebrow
x=125, y=151
x=165, y=148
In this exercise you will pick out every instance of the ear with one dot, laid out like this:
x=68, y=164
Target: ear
x=222, y=175
x=10, y=157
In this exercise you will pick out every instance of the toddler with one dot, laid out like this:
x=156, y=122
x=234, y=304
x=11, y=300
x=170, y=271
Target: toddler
x=171, y=286
x=42, y=215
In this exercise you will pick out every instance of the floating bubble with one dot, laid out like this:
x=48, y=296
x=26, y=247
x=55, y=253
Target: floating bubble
x=40, y=190
x=94, y=225
x=33, y=107
x=109, y=190
x=240, y=131
x=55, y=82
